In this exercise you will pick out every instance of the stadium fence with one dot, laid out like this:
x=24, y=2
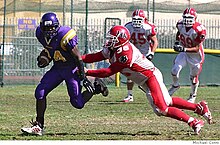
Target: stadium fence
x=91, y=20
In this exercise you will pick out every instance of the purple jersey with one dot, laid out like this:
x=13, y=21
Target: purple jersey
x=64, y=68
x=60, y=46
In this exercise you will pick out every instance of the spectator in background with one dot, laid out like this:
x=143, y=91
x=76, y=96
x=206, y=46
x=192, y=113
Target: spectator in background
x=189, y=43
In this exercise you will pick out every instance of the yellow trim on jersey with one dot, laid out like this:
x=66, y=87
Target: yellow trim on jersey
x=207, y=51
x=68, y=36
x=48, y=54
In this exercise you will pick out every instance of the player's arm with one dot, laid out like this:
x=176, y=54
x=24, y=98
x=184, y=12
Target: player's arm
x=192, y=49
x=79, y=62
x=93, y=57
x=105, y=72
x=155, y=43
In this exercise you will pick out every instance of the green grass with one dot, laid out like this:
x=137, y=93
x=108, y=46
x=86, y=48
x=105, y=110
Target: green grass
x=103, y=118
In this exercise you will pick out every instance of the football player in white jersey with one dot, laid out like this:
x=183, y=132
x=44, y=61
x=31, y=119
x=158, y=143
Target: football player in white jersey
x=189, y=38
x=125, y=58
x=143, y=36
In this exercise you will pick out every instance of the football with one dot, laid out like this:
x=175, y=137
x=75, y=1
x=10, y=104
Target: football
x=44, y=58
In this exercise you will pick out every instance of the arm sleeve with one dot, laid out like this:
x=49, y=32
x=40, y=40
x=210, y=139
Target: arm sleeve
x=95, y=57
x=105, y=72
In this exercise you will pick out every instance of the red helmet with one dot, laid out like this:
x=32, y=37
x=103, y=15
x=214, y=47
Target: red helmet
x=117, y=36
x=189, y=17
x=138, y=18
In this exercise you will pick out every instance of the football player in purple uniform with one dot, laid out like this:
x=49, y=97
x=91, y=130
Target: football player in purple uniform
x=60, y=43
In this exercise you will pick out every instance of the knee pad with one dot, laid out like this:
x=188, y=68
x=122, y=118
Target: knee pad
x=41, y=92
x=194, y=80
x=176, y=70
x=159, y=112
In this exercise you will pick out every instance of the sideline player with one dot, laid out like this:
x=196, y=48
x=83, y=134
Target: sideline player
x=125, y=58
x=143, y=36
x=189, y=38
x=60, y=43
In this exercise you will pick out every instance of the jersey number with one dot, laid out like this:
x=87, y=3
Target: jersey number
x=124, y=48
x=138, y=38
x=186, y=41
x=58, y=56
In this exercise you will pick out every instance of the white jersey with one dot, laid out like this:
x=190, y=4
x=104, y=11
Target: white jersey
x=140, y=37
x=194, y=36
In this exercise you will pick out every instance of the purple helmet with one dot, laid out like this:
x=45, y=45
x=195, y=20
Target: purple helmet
x=49, y=24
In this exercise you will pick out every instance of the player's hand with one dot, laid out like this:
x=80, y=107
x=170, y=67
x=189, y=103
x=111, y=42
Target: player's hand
x=150, y=56
x=88, y=85
x=179, y=48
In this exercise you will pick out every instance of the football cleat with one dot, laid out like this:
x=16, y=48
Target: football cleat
x=100, y=87
x=173, y=89
x=197, y=125
x=203, y=110
x=35, y=129
x=192, y=98
x=128, y=98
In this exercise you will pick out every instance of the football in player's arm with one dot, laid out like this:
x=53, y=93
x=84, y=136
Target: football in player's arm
x=60, y=43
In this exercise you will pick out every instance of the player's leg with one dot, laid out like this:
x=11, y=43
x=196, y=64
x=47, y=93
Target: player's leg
x=129, y=97
x=160, y=100
x=179, y=63
x=74, y=88
x=100, y=87
x=200, y=108
x=49, y=81
x=195, y=70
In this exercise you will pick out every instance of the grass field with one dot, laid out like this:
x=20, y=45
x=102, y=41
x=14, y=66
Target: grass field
x=103, y=118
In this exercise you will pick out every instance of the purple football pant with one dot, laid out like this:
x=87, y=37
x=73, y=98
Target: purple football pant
x=54, y=77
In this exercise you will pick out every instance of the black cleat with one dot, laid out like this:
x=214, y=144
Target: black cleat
x=100, y=87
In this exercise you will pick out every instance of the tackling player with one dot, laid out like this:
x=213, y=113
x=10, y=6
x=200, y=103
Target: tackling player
x=189, y=38
x=143, y=36
x=125, y=58
x=60, y=44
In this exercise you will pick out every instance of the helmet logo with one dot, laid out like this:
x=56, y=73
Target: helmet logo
x=121, y=34
x=48, y=23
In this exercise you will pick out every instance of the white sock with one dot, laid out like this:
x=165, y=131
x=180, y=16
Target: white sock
x=130, y=92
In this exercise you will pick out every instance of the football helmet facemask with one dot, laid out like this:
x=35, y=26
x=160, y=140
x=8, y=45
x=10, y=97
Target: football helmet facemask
x=189, y=17
x=138, y=18
x=117, y=37
x=49, y=24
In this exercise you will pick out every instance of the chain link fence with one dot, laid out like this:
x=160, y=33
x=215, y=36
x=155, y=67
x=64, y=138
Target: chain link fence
x=19, y=18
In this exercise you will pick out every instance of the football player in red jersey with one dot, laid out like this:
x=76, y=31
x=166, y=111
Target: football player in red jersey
x=143, y=36
x=189, y=38
x=125, y=58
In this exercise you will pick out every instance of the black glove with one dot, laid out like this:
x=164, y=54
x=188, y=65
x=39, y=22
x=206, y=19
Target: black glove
x=88, y=85
x=80, y=71
x=150, y=56
x=179, y=48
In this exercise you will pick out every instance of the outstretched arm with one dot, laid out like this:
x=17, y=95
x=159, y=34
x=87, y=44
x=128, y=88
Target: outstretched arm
x=105, y=72
x=93, y=57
